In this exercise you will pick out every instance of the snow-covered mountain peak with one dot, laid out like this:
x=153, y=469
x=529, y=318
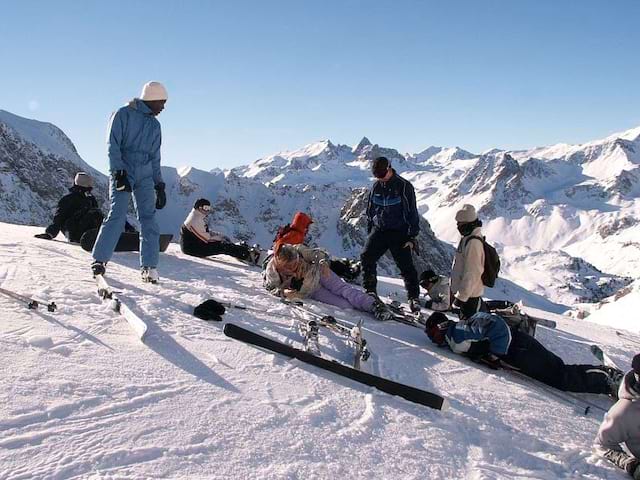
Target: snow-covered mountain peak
x=361, y=145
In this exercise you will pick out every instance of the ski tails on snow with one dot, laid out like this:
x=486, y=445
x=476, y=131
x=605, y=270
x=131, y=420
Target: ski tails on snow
x=407, y=392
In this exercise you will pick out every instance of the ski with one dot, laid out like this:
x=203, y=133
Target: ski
x=401, y=315
x=32, y=303
x=106, y=293
x=407, y=392
x=353, y=333
x=310, y=330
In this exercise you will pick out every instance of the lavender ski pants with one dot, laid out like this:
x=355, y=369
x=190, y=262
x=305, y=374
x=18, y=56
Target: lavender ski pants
x=335, y=291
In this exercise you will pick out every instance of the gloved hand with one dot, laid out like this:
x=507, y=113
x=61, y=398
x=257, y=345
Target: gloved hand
x=161, y=197
x=44, y=236
x=412, y=243
x=122, y=182
x=457, y=303
x=296, y=283
x=428, y=304
x=479, y=349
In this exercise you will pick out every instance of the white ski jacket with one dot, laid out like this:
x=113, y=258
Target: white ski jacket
x=196, y=223
x=468, y=266
x=621, y=424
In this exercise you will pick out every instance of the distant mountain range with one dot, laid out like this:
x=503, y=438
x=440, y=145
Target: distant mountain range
x=566, y=218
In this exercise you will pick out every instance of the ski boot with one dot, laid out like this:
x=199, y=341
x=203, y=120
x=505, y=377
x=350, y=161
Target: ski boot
x=381, y=311
x=414, y=305
x=614, y=379
x=98, y=268
x=149, y=275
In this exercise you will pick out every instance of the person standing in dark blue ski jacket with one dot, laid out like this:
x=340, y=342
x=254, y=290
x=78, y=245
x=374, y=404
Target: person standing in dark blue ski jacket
x=134, y=140
x=392, y=224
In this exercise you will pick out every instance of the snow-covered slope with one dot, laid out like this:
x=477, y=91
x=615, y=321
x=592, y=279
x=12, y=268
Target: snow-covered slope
x=37, y=166
x=82, y=398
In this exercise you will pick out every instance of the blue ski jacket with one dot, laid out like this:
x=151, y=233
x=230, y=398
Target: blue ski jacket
x=392, y=206
x=134, y=140
x=461, y=335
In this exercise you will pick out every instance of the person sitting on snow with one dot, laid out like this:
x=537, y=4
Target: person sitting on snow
x=297, y=271
x=621, y=425
x=438, y=290
x=486, y=337
x=196, y=239
x=77, y=211
x=296, y=232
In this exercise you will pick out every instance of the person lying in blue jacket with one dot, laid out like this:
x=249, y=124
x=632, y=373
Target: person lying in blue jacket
x=487, y=337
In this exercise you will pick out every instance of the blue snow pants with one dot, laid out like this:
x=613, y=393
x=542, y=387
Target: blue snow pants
x=144, y=199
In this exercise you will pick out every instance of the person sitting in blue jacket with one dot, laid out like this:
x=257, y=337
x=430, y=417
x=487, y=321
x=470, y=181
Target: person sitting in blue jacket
x=134, y=140
x=487, y=337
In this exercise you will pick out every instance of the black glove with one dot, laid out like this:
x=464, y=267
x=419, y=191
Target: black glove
x=428, y=304
x=122, y=182
x=44, y=236
x=412, y=243
x=479, y=349
x=161, y=197
x=296, y=284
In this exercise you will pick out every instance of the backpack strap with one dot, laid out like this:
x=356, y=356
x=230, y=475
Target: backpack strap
x=471, y=237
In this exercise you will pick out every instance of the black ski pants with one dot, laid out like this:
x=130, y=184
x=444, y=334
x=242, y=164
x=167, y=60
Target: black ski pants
x=77, y=225
x=191, y=245
x=531, y=357
x=378, y=243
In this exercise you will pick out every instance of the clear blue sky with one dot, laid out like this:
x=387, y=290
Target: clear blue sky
x=247, y=79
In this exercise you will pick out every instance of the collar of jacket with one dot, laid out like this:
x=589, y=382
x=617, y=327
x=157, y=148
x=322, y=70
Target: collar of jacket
x=476, y=232
x=140, y=106
x=78, y=189
x=391, y=181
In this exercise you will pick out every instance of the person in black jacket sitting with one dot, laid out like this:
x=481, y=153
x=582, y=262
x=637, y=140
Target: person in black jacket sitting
x=77, y=211
x=198, y=241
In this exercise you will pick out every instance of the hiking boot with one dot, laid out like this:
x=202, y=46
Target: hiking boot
x=98, y=268
x=149, y=275
x=414, y=305
x=381, y=311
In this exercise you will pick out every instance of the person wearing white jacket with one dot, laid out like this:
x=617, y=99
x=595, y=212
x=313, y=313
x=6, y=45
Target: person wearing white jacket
x=621, y=425
x=198, y=241
x=468, y=264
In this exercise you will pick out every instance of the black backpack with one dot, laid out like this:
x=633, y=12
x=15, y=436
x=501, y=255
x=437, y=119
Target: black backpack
x=491, y=262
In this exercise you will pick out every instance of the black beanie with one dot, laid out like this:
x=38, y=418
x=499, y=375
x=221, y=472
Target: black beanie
x=635, y=364
x=201, y=202
x=209, y=310
x=379, y=167
x=428, y=276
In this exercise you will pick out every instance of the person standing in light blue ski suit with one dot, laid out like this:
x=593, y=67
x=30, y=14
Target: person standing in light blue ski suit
x=134, y=140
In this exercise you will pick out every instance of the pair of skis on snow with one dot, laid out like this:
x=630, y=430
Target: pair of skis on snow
x=311, y=356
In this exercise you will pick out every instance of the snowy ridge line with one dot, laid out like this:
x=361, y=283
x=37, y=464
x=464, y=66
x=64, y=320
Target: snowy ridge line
x=106, y=293
x=407, y=392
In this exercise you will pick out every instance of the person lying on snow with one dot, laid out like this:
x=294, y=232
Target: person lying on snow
x=621, y=425
x=77, y=211
x=486, y=337
x=295, y=233
x=196, y=239
x=297, y=271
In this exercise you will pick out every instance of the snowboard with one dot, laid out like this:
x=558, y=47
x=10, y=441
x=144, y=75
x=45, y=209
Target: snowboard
x=128, y=242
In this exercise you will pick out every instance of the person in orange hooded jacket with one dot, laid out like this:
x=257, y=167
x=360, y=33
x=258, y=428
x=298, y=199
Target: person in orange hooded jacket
x=295, y=234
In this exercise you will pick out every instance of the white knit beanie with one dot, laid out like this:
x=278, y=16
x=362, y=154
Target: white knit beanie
x=466, y=214
x=83, y=180
x=153, y=91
